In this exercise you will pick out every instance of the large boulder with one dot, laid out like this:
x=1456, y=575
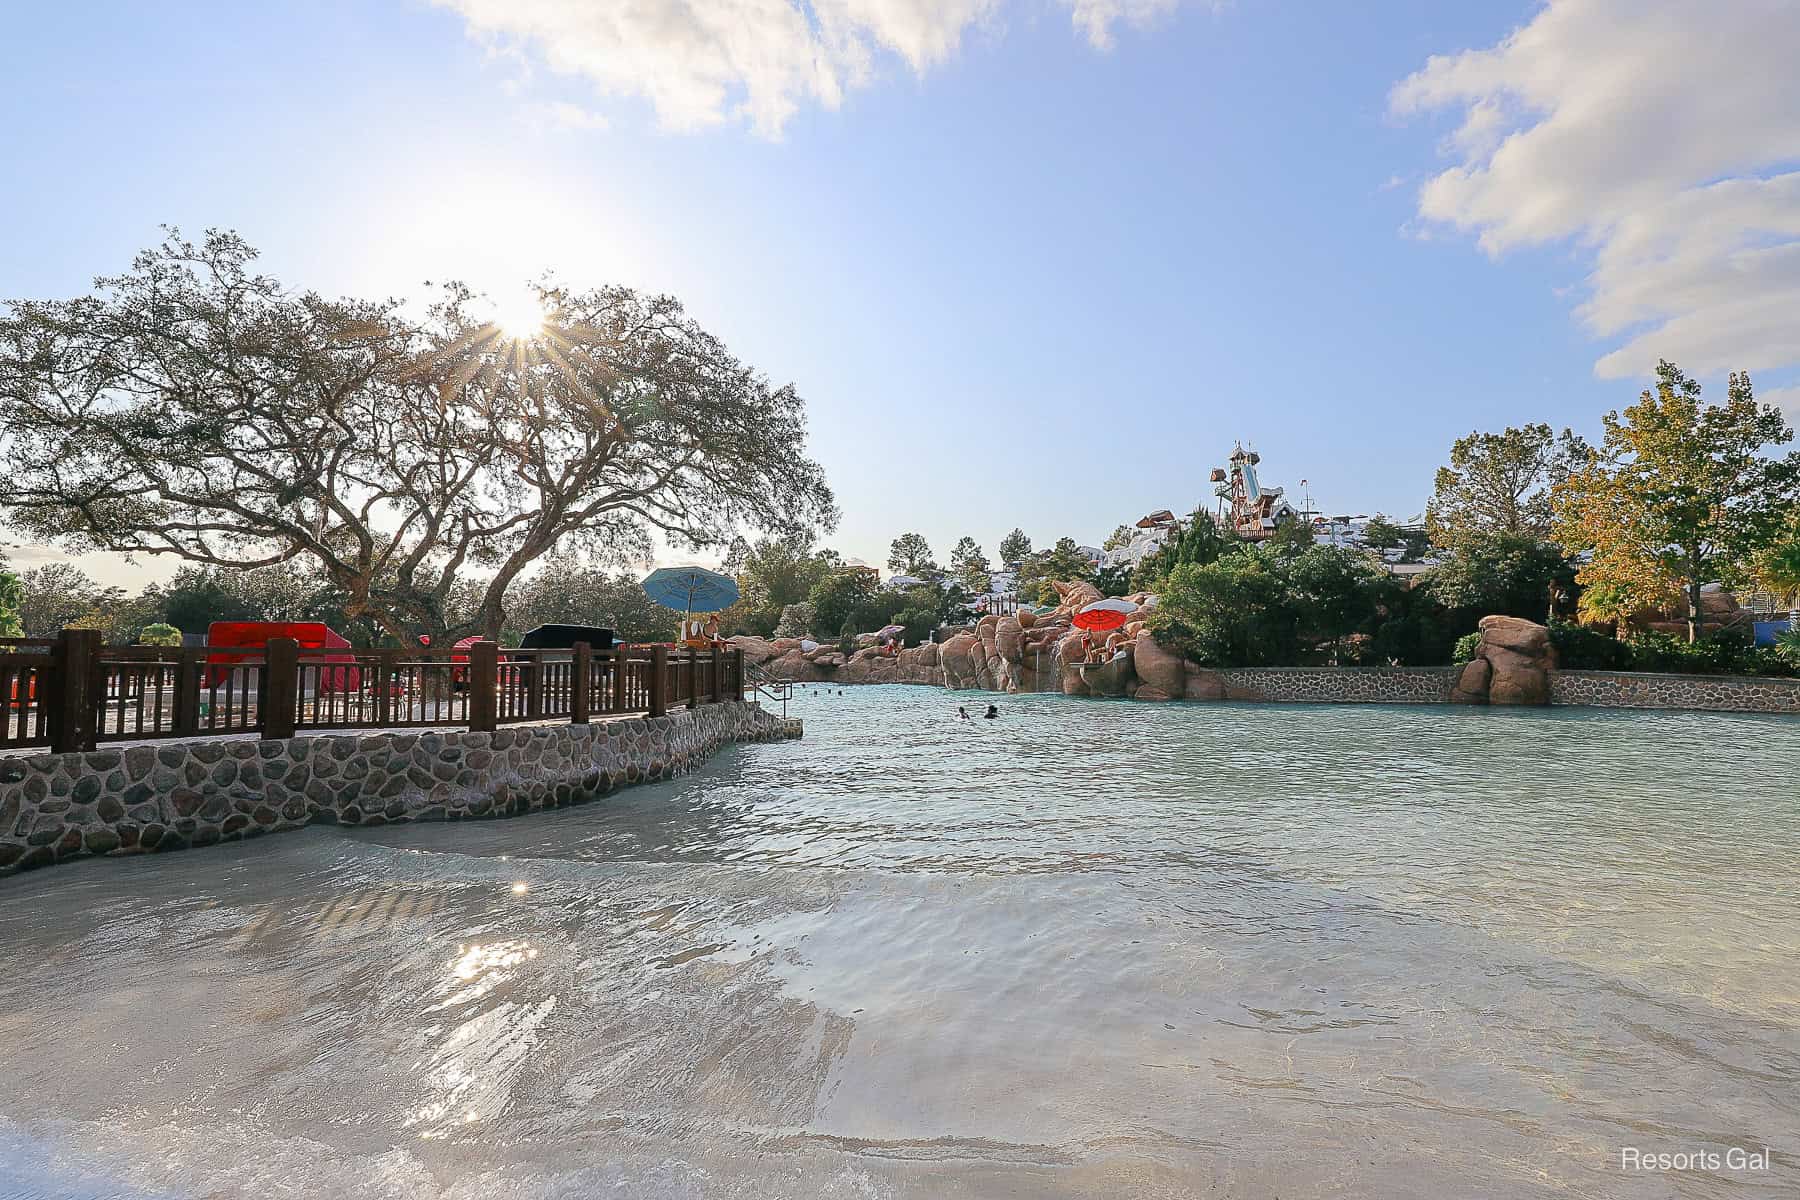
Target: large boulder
x=1068, y=652
x=793, y=667
x=1009, y=638
x=1161, y=674
x=957, y=656
x=1472, y=684
x=1072, y=597
x=1111, y=678
x=1512, y=664
x=757, y=651
x=1517, y=634
x=1203, y=684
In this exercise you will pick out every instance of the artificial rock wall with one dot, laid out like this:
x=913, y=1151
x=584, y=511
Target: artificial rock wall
x=1514, y=664
x=172, y=795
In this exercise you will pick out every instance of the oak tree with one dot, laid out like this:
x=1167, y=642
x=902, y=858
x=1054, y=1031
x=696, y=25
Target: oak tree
x=1500, y=483
x=192, y=407
x=1680, y=494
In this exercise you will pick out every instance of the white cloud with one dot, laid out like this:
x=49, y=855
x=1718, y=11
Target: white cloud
x=1662, y=136
x=703, y=62
x=1787, y=399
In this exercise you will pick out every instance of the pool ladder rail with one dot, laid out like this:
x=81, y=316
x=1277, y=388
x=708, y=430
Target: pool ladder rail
x=766, y=685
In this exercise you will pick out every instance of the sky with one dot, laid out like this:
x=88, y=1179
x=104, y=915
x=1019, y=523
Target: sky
x=1032, y=263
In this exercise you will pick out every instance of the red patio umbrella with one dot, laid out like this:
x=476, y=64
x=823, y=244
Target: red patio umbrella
x=1104, y=615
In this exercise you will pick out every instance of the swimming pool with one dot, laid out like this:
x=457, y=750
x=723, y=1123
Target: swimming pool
x=1085, y=949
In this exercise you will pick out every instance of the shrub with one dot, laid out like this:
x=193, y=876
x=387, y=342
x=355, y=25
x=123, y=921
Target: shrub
x=1466, y=646
x=1579, y=648
x=1729, y=652
x=159, y=634
x=796, y=620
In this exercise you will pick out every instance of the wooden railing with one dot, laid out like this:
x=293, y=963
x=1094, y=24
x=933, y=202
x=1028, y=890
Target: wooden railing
x=72, y=693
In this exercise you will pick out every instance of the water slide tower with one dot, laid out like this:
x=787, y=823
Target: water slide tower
x=1254, y=512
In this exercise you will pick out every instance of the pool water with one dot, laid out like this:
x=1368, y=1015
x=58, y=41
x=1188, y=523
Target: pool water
x=1086, y=949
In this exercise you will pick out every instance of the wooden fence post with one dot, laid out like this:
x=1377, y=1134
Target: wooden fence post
x=718, y=676
x=534, y=685
x=621, y=664
x=578, y=684
x=190, y=665
x=74, y=659
x=277, y=707
x=693, y=678
x=659, y=680
x=484, y=681
x=737, y=671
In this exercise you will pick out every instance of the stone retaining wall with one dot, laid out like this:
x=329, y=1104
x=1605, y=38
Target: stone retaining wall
x=172, y=795
x=1331, y=685
x=1713, y=693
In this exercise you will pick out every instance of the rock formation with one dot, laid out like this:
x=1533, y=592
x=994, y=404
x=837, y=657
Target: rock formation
x=1044, y=652
x=1719, y=610
x=1511, y=666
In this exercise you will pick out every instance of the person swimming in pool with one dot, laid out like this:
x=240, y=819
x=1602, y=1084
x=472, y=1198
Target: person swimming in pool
x=992, y=713
x=962, y=714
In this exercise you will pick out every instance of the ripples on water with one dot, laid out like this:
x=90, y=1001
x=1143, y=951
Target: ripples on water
x=1086, y=949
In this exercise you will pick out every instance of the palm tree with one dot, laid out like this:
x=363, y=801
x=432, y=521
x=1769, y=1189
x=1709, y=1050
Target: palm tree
x=1778, y=571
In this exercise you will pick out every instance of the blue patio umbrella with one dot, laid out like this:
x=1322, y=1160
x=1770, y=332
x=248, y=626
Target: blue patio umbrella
x=691, y=589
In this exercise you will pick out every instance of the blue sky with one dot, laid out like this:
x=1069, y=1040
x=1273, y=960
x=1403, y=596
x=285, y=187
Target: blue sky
x=1020, y=278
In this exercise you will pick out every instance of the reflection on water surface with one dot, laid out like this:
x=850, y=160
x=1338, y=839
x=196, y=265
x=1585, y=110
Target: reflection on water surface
x=1086, y=949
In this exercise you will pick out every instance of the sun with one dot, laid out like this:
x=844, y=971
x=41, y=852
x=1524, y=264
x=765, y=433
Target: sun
x=520, y=320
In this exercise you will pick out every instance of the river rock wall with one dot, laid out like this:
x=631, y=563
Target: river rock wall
x=1331, y=685
x=169, y=796
x=1708, y=693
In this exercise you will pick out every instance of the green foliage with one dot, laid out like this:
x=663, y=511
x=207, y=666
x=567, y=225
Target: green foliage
x=970, y=565
x=1118, y=537
x=1466, y=646
x=159, y=633
x=1292, y=537
x=1499, y=484
x=1236, y=612
x=1015, y=547
x=846, y=600
x=1115, y=581
x=920, y=623
x=1416, y=544
x=1682, y=493
x=796, y=621
x=11, y=592
x=1579, y=648
x=1787, y=647
x=1728, y=652
x=1199, y=541
x=773, y=574
x=196, y=407
x=1503, y=573
x=1063, y=562
x=1273, y=605
x=567, y=591
x=910, y=554
x=1382, y=534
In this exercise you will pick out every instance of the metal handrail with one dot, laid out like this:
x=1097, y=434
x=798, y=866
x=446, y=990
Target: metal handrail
x=765, y=684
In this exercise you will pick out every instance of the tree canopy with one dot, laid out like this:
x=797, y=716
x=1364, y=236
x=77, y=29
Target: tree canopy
x=910, y=554
x=772, y=575
x=970, y=565
x=1015, y=547
x=1681, y=493
x=195, y=408
x=1500, y=483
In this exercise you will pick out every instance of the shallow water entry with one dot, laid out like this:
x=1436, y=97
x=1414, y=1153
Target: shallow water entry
x=1086, y=949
